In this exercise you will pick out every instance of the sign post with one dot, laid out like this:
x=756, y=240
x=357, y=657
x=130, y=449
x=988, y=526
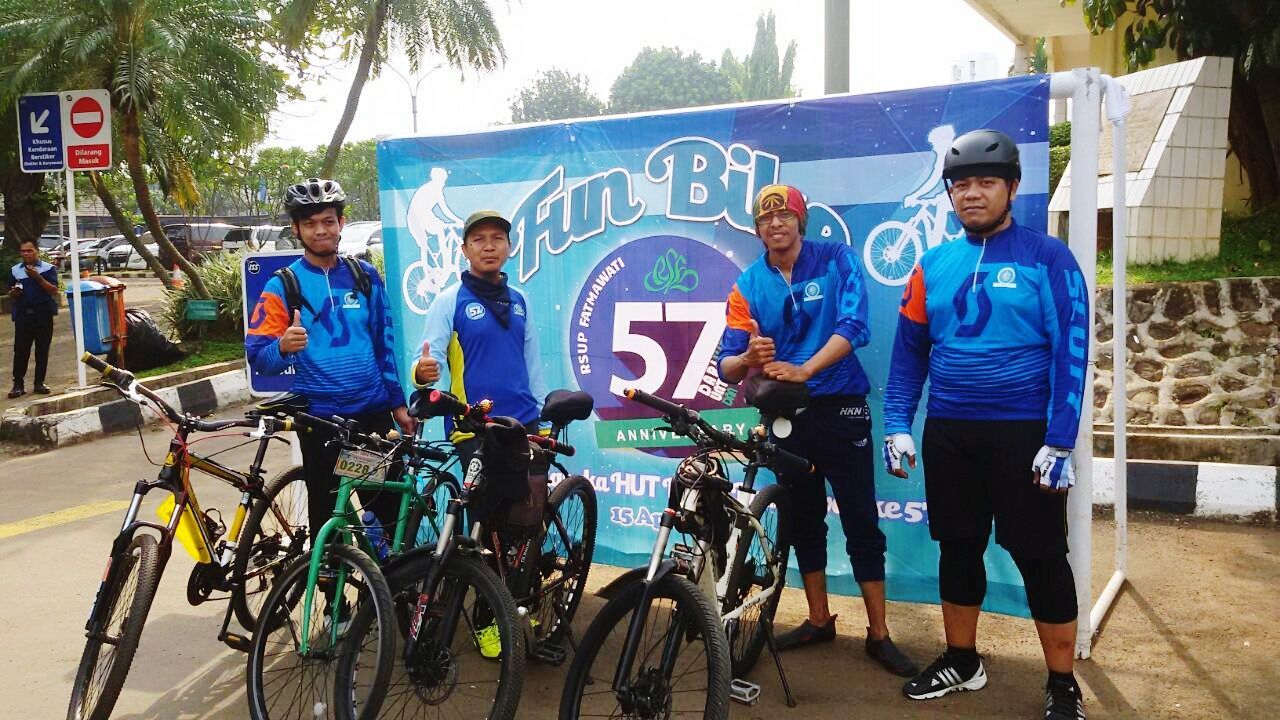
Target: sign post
x=40, y=133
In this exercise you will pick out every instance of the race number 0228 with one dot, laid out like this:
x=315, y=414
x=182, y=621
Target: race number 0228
x=652, y=352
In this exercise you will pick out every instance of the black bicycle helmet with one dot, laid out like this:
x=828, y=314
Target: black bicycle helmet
x=982, y=153
x=315, y=191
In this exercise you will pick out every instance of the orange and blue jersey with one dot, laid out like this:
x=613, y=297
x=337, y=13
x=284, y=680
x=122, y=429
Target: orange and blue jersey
x=485, y=360
x=348, y=366
x=1000, y=329
x=826, y=296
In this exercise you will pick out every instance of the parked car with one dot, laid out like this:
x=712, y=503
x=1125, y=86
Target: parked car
x=195, y=240
x=361, y=238
x=287, y=240
x=257, y=237
x=92, y=253
x=49, y=242
x=124, y=257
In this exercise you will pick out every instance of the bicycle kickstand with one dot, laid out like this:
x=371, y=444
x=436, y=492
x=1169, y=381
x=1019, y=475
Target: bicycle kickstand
x=777, y=660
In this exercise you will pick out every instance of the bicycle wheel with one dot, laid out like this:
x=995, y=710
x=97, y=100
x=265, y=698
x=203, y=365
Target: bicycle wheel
x=681, y=666
x=478, y=670
x=423, y=528
x=565, y=558
x=273, y=535
x=751, y=574
x=285, y=683
x=109, y=652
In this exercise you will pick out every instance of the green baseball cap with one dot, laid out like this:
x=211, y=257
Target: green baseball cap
x=482, y=216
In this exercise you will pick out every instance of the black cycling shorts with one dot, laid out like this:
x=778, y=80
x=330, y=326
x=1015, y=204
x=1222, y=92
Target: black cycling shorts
x=977, y=470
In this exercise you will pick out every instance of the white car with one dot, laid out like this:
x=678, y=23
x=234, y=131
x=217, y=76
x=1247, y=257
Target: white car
x=258, y=237
x=124, y=257
x=361, y=238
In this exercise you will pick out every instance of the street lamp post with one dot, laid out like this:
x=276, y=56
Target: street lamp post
x=413, y=91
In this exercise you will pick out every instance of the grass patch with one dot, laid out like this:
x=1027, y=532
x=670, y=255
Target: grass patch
x=1250, y=247
x=201, y=352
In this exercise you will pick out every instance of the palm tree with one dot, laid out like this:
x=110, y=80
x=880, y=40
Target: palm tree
x=185, y=76
x=462, y=32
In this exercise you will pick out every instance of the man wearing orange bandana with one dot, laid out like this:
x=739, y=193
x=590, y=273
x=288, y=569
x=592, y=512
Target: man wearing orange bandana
x=796, y=314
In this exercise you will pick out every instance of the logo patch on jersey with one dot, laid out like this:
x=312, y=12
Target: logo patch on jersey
x=1006, y=277
x=475, y=311
x=518, y=310
x=351, y=300
x=812, y=291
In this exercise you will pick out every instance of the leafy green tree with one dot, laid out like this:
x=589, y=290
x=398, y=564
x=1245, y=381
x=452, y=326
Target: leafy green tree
x=555, y=95
x=462, y=32
x=668, y=78
x=184, y=76
x=1247, y=31
x=761, y=75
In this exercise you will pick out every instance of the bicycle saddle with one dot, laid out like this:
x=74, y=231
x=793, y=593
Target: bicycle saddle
x=775, y=397
x=288, y=403
x=563, y=406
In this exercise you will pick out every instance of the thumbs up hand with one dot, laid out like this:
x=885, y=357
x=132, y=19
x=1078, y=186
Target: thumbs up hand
x=760, y=349
x=426, y=370
x=295, y=336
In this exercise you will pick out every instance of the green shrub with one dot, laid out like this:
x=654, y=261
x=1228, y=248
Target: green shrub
x=1060, y=135
x=221, y=275
x=1058, y=158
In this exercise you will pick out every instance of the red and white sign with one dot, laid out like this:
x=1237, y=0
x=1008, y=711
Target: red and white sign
x=86, y=129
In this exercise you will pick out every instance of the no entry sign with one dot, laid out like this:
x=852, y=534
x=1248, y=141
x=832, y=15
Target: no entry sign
x=86, y=123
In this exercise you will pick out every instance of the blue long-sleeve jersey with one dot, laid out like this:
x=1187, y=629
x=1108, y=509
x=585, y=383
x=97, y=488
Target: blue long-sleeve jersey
x=348, y=366
x=1000, y=328
x=485, y=360
x=826, y=296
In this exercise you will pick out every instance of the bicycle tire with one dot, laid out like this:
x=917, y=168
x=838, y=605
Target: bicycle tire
x=143, y=556
x=557, y=561
x=312, y=694
x=446, y=488
x=607, y=633
x=899, y=272
x=271, y=551
x=746, y=638
x=427, y=687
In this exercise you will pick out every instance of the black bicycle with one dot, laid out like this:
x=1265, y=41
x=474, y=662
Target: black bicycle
x=675, y=634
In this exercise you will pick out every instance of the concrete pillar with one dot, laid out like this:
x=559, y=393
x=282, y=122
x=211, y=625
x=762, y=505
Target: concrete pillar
x=835, y=21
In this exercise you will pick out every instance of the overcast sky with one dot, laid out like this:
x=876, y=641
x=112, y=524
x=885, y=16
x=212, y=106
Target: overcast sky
x=896, y=44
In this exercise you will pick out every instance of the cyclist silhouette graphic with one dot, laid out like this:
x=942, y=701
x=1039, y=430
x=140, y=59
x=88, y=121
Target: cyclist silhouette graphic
x=437, y=231
x=893, y=247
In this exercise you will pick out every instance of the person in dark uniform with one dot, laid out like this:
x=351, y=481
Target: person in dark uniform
x=33, y=289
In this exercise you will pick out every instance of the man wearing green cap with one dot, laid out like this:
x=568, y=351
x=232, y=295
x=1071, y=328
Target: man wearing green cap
x=481, y=330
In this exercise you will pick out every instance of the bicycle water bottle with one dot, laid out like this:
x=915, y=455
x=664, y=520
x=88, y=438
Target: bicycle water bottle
x=373, y=530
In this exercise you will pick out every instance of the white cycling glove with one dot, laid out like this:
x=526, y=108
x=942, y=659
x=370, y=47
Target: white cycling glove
x=895, y=447
x=1054, y=468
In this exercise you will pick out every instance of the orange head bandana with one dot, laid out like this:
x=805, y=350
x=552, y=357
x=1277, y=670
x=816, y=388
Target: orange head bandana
x=780, y=197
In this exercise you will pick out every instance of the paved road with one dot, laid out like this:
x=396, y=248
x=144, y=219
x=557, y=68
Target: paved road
x=1194, y=637
x=146, y=293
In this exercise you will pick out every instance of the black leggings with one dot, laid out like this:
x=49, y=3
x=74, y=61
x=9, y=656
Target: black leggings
x=318, y=459
x=1050, y=585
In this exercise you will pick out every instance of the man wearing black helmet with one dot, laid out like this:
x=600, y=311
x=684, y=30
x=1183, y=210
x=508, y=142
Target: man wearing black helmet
x=328, y=318
x=998, y=322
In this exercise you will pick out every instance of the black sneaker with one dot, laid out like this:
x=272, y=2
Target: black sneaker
x=1062, y=701
x=17, y=391
x=943, y=677
x=43, y=389
x=807, y=634
x=890, y=657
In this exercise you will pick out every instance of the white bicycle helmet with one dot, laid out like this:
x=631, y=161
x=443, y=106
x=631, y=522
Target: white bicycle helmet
x=315, y=191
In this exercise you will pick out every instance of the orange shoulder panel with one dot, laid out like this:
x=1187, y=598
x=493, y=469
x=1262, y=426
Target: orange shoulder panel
x=270, y=317
x=913, y=306
x=738, y=312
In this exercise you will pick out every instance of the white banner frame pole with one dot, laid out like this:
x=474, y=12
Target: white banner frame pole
x=78, y=307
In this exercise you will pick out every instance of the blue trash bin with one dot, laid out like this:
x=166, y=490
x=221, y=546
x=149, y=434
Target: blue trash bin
x=97, y=321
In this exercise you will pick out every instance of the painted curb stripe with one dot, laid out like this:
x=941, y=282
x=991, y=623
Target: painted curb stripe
x=61, y=517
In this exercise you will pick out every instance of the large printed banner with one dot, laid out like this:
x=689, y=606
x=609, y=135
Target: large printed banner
x=628, y=232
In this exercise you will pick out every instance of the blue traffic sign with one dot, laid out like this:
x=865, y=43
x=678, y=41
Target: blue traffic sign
x=40, y=133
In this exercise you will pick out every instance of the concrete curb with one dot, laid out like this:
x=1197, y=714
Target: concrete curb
x=1205, y=489
x=199, y=397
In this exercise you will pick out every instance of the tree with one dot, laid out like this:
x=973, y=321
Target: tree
x=184, y=77
x=1247, y=31
x=555, y=95
x=761, y=75
x=463, y=32
x=667, y=78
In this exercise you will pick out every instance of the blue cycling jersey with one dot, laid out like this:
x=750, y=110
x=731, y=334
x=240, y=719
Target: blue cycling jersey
x=1000, y=328
x=825, y=297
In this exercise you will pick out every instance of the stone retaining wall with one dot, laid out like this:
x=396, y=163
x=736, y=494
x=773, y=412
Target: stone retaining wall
x=1199, y=354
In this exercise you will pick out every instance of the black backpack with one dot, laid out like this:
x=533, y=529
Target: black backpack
x=293, y=290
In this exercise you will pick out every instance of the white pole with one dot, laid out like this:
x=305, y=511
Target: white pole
x=78, y=312
x=1119, y=363
x=1086, y=109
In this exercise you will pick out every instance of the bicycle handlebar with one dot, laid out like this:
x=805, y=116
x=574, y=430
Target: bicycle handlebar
x=790, y=462
x=551, y=445
x=127, y=384
x=348, y=432
x=677, y=413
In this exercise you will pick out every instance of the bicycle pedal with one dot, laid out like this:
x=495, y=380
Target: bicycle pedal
x=747, y=693
x=237, y=642
x=550, y=654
